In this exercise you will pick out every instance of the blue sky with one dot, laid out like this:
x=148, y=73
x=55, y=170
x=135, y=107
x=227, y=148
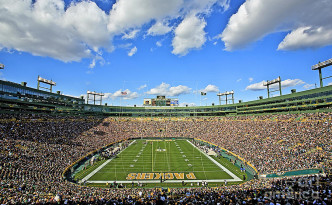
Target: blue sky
x=176, y=48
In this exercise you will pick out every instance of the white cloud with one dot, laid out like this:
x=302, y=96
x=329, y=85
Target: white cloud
x=189, y=35
x=210, y=88
x=159, y=44
x=309, y=22
x=330, y=83
x=130, y=35
x=159, y=29
x=203, y=6
x=119, y=94
x=93, y=63
x=132, y=51
x=284, y=84
x=125, y=46
x=167, y=90
x=308, y=86
x=224, y=4
x=307, y=37
x=256, y=86
x=130, y=14
x=82, y=29
x=250, y=79
x=45, y=28
x=142, y=87
x=291, y=83
x=238, y=80
x=95, y=60
x=184, y=104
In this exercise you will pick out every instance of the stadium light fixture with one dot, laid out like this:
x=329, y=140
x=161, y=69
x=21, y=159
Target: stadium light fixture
x=226, y=93
x=319, y=67
x=94, y=93
x=268, y=83
x=45, y=81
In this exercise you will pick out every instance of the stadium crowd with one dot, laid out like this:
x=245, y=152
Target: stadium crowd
x=36, y=149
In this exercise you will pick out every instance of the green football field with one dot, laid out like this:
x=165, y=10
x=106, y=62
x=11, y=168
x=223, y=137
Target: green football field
x=153, y=161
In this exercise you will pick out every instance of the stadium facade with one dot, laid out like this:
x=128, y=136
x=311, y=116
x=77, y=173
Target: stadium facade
x=20, y=97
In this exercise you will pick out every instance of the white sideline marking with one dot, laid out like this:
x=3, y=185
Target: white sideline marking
x=87, y=177
x=235, y=178
x=158, y=181
x=217, y=163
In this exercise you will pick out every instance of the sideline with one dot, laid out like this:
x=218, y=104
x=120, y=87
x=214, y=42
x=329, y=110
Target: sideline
x=87, y=177
x=236, y=178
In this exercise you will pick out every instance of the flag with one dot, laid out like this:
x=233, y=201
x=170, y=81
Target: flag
x=124, y=93
x=203, y=93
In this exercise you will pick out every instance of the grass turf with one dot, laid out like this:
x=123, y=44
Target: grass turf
x=160, y=156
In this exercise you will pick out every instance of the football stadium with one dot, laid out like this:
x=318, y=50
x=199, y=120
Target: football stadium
x=166, y=102
x=59, y=149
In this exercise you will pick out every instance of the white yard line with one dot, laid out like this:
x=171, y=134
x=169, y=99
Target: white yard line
x=218, y=164
x=235, y=178
x=87, y=177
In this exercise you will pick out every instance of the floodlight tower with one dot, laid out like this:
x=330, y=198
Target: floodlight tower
x=220, y=94
x=226, y=93
x=319, y=67
x=43, y=80
x=94, y=97
x=268, y=83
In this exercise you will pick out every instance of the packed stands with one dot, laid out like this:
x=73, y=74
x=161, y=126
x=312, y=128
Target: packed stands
x=37, y=148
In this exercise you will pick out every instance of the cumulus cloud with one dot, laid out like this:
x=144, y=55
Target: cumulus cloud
x=284, y=84
x=130, y=14
x=159, y=29
x=291, y=83
x=189, y=35
x=308, y=21
x=45, y=28
x=124, y=94
x=132, y=51
x=167, y=90
x=250, y=79
x=210, y=88
x=70, y=32
x=330, y=83
x=130, y=35
x=256, y=86
x=203, y=6
x=307, y=37
x=308, y=86
x=96, y=59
